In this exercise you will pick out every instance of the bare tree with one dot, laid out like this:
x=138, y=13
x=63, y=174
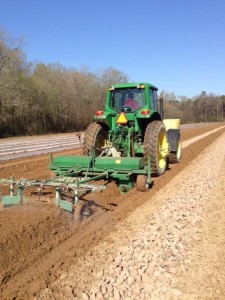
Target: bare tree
x=111, y=76
x=8, y=48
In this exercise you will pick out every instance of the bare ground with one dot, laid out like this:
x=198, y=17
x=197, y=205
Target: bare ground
x=38, y=242
x=204, y=277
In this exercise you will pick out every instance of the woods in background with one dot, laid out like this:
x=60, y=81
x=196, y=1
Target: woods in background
x=201, y=108
x=40, y=98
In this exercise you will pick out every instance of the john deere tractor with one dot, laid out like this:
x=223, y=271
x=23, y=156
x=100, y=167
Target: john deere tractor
x=128, y=142
x=132, y=125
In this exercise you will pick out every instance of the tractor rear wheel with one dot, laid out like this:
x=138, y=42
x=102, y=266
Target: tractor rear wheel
x=155, y=146
x=94, y=138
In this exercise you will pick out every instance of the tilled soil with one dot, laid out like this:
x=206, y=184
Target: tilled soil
x=204, y=277
x=46, y=244
x=158, y=247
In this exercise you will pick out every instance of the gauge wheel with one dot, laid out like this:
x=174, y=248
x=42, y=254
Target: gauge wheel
x=175, y=157
x=141, y=183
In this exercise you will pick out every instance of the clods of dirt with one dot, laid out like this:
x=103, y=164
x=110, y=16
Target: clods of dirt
x=38, y=242
x=27, y=232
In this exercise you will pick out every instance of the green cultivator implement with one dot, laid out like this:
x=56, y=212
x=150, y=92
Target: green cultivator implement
x=61, y=184
x=128, y=142
x=125, y=170
x=79, y=174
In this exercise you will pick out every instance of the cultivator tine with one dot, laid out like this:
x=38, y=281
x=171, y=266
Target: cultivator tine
x=8, y=201
x=66, y=205
x=12, y=199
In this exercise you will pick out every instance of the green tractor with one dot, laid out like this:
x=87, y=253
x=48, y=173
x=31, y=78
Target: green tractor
x=128, y=142
x=132, y=126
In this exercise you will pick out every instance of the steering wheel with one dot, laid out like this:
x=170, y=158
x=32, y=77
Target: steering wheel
x=126, y=109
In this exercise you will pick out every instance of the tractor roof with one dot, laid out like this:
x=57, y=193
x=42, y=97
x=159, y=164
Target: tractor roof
x=133, y=84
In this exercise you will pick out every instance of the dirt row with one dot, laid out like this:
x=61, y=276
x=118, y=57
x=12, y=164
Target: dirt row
x=38, y=242
x=204, y=276
x=147, y=261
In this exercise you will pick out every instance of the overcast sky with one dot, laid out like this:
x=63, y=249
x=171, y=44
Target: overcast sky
x=178, y=45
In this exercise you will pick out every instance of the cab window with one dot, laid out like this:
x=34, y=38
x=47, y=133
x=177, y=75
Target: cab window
x=153, y=95
x=127, y=100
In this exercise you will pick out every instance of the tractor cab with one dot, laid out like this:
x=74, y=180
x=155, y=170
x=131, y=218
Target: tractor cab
x=127, y=99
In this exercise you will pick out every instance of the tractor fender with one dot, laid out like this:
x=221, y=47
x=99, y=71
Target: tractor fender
x=173, y=133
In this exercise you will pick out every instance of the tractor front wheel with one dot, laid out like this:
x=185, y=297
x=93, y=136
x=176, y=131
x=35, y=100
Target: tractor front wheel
x=156, y=146
x=94, y=138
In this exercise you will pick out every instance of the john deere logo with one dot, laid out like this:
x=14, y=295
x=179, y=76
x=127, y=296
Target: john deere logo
x=122, y=119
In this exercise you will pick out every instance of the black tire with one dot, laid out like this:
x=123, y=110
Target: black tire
x=141, y=183
x=155, y=139
x=175, y=157
x=94, y=137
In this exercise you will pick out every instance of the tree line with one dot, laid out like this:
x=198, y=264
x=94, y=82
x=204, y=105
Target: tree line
x=205, y=107
x=42, y=98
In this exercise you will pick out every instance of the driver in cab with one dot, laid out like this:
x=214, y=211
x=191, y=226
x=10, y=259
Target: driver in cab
x=130, y=102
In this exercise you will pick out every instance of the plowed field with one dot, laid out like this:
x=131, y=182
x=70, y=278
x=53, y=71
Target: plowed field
x=39, y=244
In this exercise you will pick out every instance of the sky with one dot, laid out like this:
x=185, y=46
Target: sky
x=177, y=45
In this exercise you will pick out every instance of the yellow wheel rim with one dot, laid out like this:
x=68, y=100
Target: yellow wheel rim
x=162, y=149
